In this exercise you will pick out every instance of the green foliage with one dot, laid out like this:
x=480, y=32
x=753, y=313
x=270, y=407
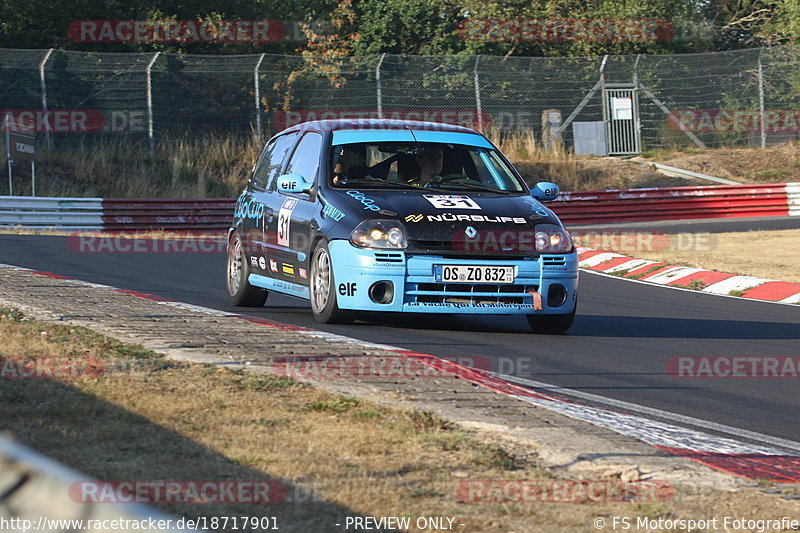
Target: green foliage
x=44, y=24
x=363, y=27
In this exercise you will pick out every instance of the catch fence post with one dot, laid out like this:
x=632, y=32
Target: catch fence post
x=477, y=92
x=44, y=97
x=150, y=137
x=762, y=113
x=258, y=98
x=378, y=86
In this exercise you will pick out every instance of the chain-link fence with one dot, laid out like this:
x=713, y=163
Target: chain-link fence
x=738, y=98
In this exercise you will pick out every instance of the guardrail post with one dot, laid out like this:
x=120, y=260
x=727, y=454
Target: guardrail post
x=378, y=86
x=6, y=127
x=478, y=92
x=44, y=97
x=761, y=111
x=150, y=137
x=257, y=85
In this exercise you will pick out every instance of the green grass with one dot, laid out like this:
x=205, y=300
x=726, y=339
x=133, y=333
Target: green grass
x=620, y=273
x=649, y=271
x=696, y=285
x=338, y=405
x=493, y=457
x=267, y=382
x=367, y=414
x=740, y=292
x=771, y=173
x=649, y=509
x=12, y=314
x=662, y=153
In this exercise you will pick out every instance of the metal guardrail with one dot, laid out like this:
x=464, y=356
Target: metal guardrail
x=678, y=203
x=581, y=207
x=150, y=213
x=681, y=173
x=36, y=489
x=30, y=212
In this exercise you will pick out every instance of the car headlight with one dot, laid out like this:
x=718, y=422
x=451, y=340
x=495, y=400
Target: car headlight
x=381, y=234
x=552, y=239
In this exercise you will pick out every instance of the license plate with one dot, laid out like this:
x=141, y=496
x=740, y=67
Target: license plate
x=474, y=274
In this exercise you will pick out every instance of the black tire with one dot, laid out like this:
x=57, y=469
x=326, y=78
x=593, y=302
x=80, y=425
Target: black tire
x=551, y=324
x=322, y=289
x=241, y=293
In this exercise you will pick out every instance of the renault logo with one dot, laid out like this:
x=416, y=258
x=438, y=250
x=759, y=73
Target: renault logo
x=470, y=231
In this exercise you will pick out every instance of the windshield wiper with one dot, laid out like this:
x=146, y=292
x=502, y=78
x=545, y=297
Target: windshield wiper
x=383, y=180
x=469, y=184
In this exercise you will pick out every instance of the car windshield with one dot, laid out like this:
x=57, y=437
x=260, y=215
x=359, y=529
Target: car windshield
x=396, y=165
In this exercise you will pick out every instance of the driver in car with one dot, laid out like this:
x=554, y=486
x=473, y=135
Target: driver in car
x=429, y=161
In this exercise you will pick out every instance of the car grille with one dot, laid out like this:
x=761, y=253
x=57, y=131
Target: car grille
x=554, y=260
x=446, y=249
x=469, y=293
x=388, y=257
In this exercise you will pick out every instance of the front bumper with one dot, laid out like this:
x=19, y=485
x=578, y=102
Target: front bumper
x=357, y=270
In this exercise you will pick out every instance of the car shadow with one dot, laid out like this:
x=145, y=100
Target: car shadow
x=169, y=456
x=607, y=326
x=683, y=328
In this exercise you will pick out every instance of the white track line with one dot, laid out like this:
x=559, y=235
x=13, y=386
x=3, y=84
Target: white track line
x=650, y=411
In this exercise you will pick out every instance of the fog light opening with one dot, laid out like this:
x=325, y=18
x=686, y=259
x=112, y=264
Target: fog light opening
x=556, y=295
x=382, y=292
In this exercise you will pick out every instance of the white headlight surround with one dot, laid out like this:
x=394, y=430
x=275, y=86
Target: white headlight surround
x=552, y=239
x=380, y=234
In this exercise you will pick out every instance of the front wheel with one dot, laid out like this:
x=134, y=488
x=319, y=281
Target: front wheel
x=322, y=289
x=551, y=324
x=240, y=291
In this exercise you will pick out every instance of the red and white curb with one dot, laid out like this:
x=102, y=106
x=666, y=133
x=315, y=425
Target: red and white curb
x=726, y=454
x=793, y=197
x=709, y=281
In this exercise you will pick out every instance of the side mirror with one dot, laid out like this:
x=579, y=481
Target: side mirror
x=294, y=183
x=545, y=191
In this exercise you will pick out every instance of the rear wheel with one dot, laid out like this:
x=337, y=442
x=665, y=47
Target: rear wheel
x=241, y=293
x=322, y=289
x=551, y=324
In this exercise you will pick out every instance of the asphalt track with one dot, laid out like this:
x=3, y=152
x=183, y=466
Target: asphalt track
x=706, y=225
x=619, y=347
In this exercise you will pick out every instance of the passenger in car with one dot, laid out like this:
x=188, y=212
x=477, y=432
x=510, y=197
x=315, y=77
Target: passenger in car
x=349, y=164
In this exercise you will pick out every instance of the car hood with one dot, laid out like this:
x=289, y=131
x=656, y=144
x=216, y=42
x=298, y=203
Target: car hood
x=463, y=222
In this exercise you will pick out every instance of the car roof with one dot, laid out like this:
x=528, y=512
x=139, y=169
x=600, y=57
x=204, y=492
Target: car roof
x=377, y=124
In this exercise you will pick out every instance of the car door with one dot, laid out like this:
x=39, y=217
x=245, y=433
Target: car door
x=269, y=166
x=290, y=230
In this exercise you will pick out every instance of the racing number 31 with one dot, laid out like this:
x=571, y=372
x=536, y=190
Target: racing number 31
x=284, y=221
x=440, y=201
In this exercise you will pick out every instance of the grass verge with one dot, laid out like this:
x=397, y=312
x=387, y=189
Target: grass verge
x=143, y=417
x=217, y=165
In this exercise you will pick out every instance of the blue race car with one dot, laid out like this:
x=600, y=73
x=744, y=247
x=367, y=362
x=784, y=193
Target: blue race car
x=403, y=216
